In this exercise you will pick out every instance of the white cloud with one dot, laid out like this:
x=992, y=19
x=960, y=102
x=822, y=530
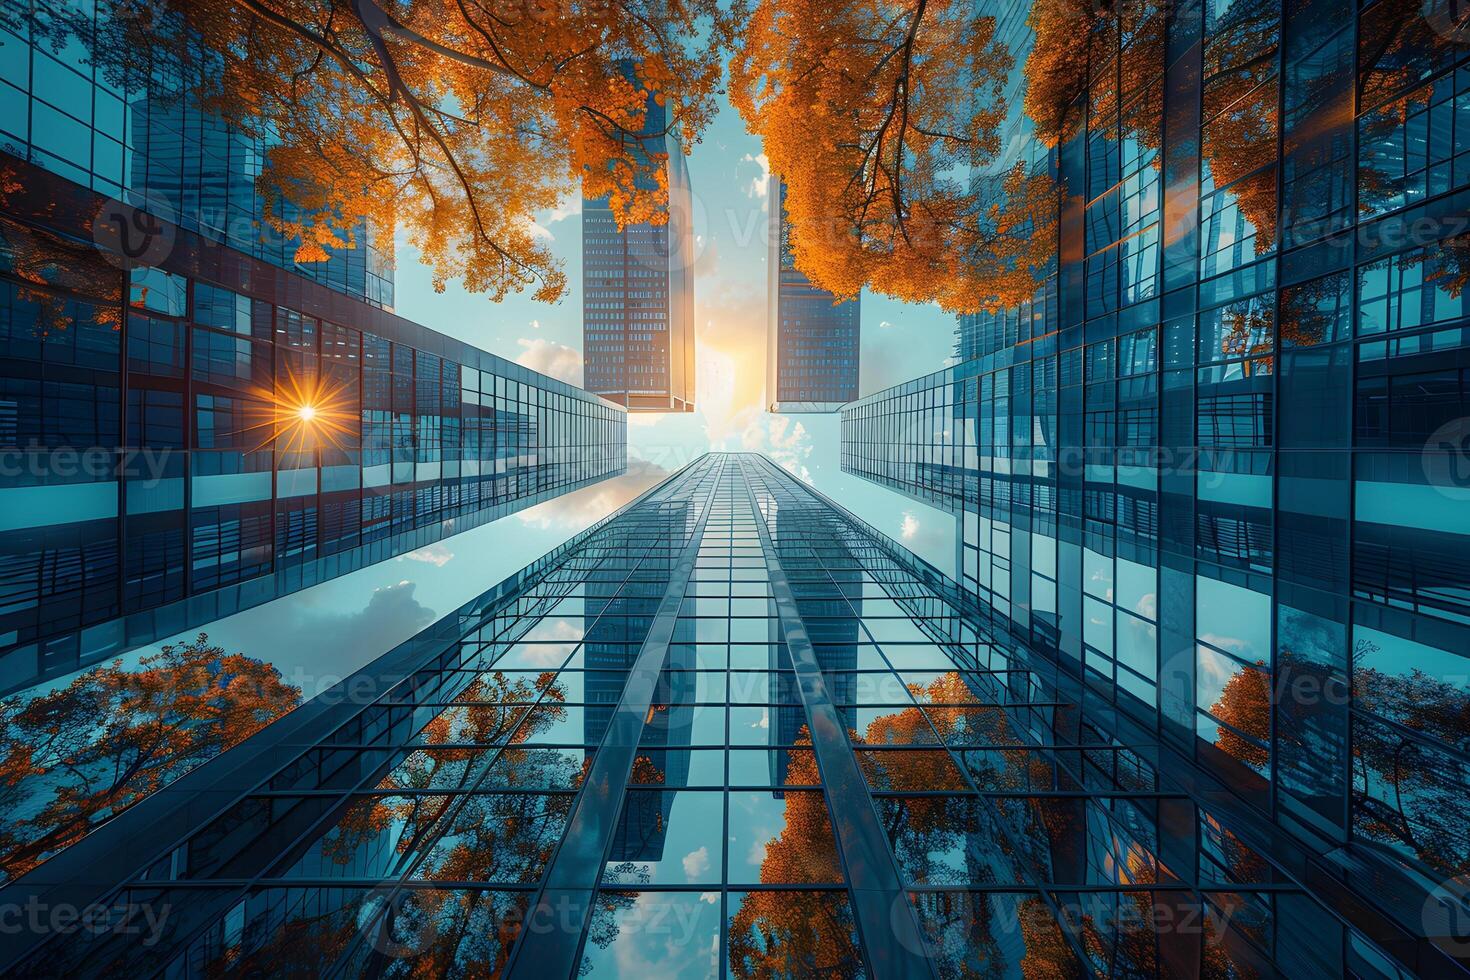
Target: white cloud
x=756, y=856
x=582, y=508
x=437, y=555
x=900, y=351
x=1144, y=634
x=1214, y=673
x=1233, y=644
x=559, y=628
x=730, y=381
x=293, y=635
x=696, y=863
x=535, y=324
x=537, y=230
x=785, y=441
x=928, y=534
x=548, y=357
x=758, y=185
x=552, y=642
x=571, y=206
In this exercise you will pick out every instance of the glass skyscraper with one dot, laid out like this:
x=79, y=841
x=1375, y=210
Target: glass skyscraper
x=146, y=142
x=156, y=469
x=729, y=731
x=813, y=343
x=638, y=290
x=1216, y=469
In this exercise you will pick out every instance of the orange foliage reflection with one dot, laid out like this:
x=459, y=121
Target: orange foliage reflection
x=78, y=755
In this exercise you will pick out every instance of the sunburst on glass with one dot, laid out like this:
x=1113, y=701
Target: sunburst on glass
x=306, y=412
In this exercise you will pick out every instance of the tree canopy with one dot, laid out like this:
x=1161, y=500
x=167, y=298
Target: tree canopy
x=80, y=754
x=454, y=121
x=884, y=120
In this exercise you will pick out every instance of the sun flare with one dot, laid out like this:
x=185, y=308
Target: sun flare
x=307, y=412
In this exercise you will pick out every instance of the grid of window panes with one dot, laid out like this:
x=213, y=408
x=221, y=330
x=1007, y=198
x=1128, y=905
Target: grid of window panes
x=444, y=794
x=735, y=828
x=915, y=438
x=167, y=477
x=638, y=295
x=417, y=836
x=1002, y=816
x=814, y=344
x=145, y=141
x=1238, y=467
x=988, y=331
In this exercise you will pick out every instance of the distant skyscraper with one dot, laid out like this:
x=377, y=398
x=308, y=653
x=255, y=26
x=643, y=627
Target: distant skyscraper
x=638, y=294
x=813, y=345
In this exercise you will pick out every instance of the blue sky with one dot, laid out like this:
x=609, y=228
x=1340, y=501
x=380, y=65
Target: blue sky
x=323, y=633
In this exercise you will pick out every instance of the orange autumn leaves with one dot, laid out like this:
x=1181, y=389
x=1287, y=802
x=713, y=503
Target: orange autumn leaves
x=886, y=120
x=453, y=121
x=877, y=115
x=778, y=933
x=457, y=122
x=1075, y=51
x=1245, y=704
x=80, y=754
x=1057, y=67
x=42, y=261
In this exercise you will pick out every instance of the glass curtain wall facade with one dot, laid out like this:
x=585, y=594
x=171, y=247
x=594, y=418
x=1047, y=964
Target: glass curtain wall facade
x=1217, y=469
x=1020, y=147
x=638, y=291
x=159, y=346
x=813, y=343
x=141, y=138
x=158, y=473
x=808, y=758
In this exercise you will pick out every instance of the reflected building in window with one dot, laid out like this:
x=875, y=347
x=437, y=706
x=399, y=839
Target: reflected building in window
x=620, y=615
x=638, y=288
x=152, y=147
x=202, y=424
x=952, y=802
x=835, y=633
x=813, y=342
x=195, y=171
x=1214, y=470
